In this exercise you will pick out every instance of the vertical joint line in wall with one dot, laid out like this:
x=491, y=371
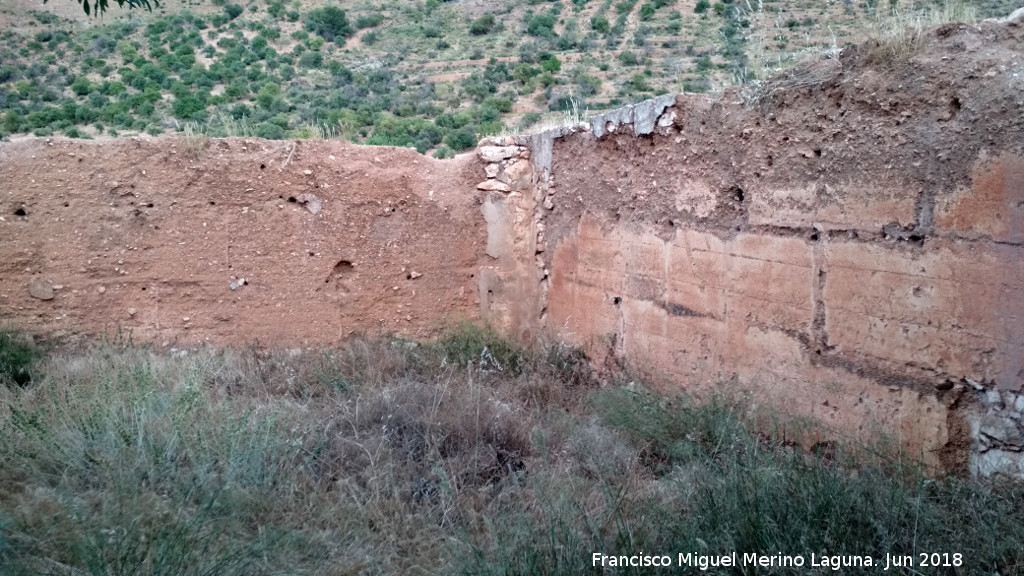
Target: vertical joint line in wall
x=926, y=212
x=621, y=340
x=819, y=335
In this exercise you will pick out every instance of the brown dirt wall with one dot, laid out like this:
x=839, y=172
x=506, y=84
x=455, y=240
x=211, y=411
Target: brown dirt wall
x=192, y=240
x=848, y=248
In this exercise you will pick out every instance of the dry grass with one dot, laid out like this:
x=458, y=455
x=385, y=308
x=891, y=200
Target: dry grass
x=468, y=455
x=193, y=142
x=895, y=36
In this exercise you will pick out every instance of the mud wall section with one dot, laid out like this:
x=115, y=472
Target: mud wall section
x=850, y=250
x=283, y=244
x=846, y=244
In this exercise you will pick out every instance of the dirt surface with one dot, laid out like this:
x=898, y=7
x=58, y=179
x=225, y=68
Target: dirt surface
x=187, y=240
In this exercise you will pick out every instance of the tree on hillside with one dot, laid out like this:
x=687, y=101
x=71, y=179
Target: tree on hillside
x=100, y=6
x=330, y=22
x=482, y=25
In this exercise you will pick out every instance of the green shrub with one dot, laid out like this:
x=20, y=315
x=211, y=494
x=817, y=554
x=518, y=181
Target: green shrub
x=646, y=11
x=702, y=6
x=233, y=11
x=698, y=85
x=461, y=139
x=628, y=58
x=638, y=83
x=599, y=23
x=443, y=152
x=523, y=73
x=482, y=25
x=529, y=119
x=704, y=63
x=189, y=107
x=503, y=105
x=371, y=38
x=314, y=59
x=330, y=22
x=369, y=20
x=81, y=86
x=542, y=25
x=550, y=63
x=270, y=131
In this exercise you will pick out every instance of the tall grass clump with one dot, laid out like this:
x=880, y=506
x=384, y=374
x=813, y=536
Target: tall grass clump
x=895, y=35
x=18, y=353
x=465, y=455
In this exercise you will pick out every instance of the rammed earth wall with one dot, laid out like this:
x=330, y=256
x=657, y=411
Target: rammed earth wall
x=848, y=249
x=845, y=242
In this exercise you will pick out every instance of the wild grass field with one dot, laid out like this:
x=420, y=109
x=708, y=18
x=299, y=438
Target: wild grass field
x=432, y=75
x=467, y=455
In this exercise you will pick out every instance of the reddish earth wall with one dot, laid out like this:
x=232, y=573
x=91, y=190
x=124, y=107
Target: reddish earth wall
x=849, y=250
x=845, y=243
x=156, y=237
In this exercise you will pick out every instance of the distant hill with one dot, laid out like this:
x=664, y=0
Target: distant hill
x=434, y=75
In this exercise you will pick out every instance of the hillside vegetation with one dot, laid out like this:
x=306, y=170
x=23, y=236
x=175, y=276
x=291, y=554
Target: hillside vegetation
x=429, y=74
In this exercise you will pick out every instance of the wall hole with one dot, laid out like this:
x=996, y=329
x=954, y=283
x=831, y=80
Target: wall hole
x=771, y=160
x=616, y=300
x=212, y=203
x=20, y=212
x=292, y=199
x=263, y=166
x=408, y=276
x=342, y=269
x=814, y=236
x=817, y=152
x=737, y=193
x=67, y=204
